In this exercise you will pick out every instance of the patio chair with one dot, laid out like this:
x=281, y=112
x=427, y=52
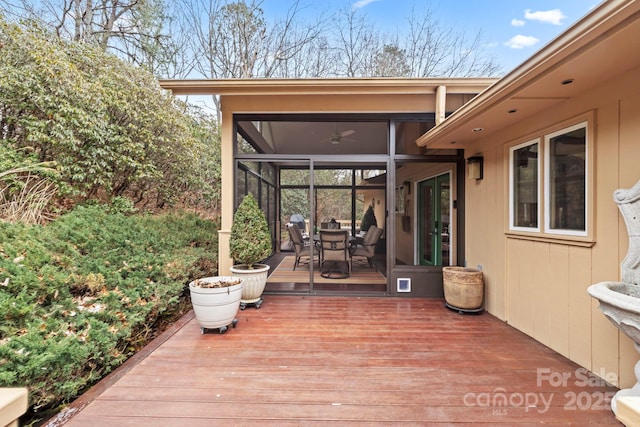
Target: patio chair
x=330, y=225
x=300, y=246
x=368, y=246
x=335, y=259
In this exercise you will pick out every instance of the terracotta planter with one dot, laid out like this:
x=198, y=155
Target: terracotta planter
x=216, y=308
x=463, y=288
x=253, y=283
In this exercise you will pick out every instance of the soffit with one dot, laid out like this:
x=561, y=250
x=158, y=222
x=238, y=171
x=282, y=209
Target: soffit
x=601, y=46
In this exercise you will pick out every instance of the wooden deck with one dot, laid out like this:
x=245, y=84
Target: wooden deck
x=348, y=361
x=363, y=278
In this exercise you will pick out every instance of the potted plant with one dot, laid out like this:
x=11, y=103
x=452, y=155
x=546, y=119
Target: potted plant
x=463, y=289
x=250, y=243
x=368, y=219
x=215, y=301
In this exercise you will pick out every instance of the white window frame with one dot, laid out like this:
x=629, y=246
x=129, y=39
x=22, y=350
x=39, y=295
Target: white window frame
x=512, y=213
x=547, y=182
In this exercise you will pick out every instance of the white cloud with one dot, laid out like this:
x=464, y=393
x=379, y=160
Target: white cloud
x=520, y=41
x=517, y=23
x=362, y=3
x=554, y=16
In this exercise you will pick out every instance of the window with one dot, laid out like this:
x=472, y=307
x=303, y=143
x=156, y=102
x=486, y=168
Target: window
x=564, y=156
x=566, y=183
x=524, y=185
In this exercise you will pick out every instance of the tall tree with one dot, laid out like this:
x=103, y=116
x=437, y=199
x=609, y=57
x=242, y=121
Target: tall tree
x=234, y=40
x=158, y=44
x=219, y=39
x=136, y=30
x=436, y=50
x=391, y=62
x=356, y=43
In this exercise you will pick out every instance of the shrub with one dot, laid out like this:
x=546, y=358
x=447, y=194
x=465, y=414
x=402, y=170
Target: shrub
x=80, y=295
x=368, y=219
x=250, y=240
x=108, y=125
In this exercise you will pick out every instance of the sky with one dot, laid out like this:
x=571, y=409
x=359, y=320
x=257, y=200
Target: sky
x=513, y=30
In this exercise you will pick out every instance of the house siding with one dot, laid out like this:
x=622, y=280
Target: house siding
x=540, y=286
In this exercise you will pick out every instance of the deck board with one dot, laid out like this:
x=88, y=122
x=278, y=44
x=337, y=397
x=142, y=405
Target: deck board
x=318, y=361
x=362, y=274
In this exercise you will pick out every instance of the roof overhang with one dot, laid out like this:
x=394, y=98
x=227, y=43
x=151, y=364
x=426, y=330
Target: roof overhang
x=336, y=86
x=605, y=43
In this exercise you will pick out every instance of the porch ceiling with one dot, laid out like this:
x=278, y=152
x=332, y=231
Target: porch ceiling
x=601, y=46
x=339, y=137
x=308, y=134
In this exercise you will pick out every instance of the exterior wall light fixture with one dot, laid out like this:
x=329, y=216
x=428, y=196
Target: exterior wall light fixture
x=476, y=167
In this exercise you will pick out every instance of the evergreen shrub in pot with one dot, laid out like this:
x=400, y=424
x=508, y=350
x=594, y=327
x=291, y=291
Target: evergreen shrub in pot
x=249, y=244
x=368, y=219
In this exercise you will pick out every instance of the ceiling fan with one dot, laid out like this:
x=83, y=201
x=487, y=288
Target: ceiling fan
x=336, y=137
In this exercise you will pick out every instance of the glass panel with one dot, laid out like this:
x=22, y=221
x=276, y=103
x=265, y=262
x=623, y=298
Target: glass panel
x=294, y=177
x=333, y=176
x=253, y=185
x=265, y=202
x=423, y=216
x=294, y=207
x=429, y=228
x=406, y=237
x=268, y=172
x=241, y=185
x=371, y=177
x=272, y=211
x=524, y=164
x=567, y=180
x=445, y=218
x=243, y=146
x=252, y=166
x=333, y=205
x=295, y=203
x=370, y=198
x=255, y=178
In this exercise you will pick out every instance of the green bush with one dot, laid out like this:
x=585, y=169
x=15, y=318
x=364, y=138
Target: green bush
x=368, y=219
x=108, y=126
x=80, y=295
x=250, y=240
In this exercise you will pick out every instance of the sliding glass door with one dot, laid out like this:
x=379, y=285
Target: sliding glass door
x=434, y=199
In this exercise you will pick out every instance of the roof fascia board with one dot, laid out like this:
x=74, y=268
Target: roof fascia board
x=370, y=86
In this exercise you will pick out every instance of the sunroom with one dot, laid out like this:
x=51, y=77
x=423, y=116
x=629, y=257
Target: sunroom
x=322, y=150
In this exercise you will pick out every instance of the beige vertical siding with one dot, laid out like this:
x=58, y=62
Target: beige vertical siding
x=546, y=294
x=540, y=285
x=483, y=225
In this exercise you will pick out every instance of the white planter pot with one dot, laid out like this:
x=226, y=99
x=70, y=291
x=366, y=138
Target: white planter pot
x=253, y=282
x=216, y=307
